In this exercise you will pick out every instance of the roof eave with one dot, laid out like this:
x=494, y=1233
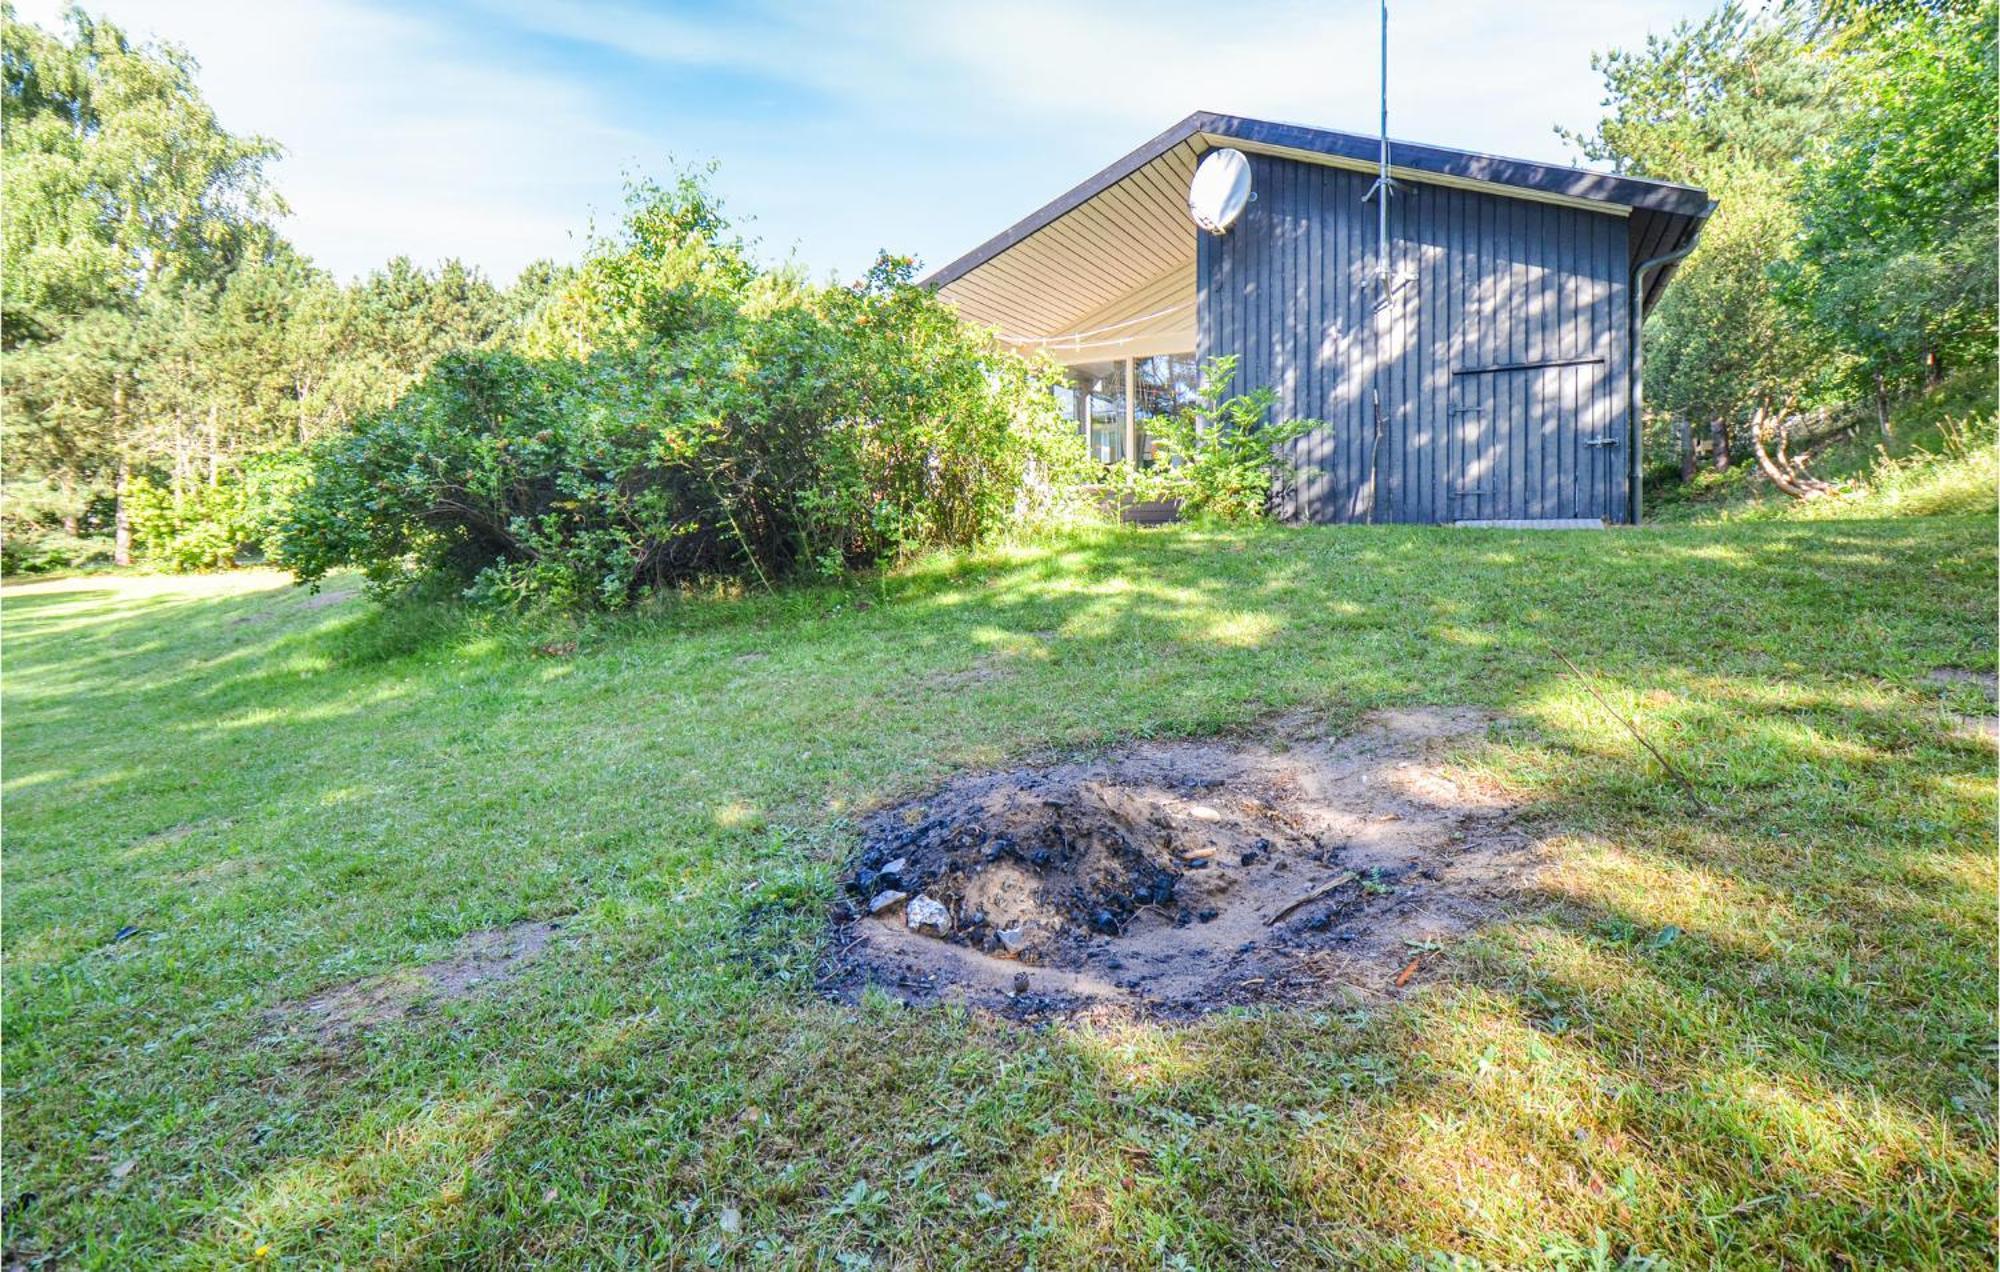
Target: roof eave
x=1500, y=173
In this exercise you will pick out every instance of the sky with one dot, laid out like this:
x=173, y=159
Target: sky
x=499, y=131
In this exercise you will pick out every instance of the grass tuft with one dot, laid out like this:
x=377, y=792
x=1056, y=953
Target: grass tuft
x=1754, y=1036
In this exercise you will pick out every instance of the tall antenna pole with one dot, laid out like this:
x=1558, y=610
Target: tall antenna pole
x=1385, y=185
x=1382, y=177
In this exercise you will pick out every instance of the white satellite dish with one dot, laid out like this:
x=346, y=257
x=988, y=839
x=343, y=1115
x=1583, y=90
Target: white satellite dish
x=1220, y=190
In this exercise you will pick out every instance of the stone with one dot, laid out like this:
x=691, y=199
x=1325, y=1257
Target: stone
x=891, y=874
x=928, y=916
x=1013, y=939
x=885, y=902
x=1207, y=916
x=1020, y=983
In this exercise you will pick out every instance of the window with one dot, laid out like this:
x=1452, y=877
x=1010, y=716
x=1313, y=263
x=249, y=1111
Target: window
x=1101, y=390
x=1161, y=385
x=1096, y=399
x=1069, y=399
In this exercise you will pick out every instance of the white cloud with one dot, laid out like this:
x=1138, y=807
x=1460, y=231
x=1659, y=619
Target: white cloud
x=395, y=142
x=1471, y=75
x=490, y=134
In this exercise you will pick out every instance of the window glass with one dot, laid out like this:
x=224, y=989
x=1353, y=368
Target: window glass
x=1161, y=385
x=1101, y=388
x=1069, y=401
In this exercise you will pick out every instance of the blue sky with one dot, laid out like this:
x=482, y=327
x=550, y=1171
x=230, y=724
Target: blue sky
x=494, y=130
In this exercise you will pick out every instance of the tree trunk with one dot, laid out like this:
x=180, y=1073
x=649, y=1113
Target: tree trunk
x=70, y=522
x=214, y=446
x=121, y=539
x=1785, y=473
x=1684, y=439
x=182, y=461
x=1933, y=369
x=1718, y=430
x=1882, y=406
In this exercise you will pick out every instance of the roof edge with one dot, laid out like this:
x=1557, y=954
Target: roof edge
x=1583, y=184
x=1068, y=201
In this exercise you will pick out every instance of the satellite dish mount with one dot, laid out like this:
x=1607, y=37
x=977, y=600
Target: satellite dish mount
x=1220, y=190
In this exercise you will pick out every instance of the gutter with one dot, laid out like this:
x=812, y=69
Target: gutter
x=1635, y=366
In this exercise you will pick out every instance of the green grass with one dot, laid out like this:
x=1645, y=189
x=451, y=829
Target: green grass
x=1756, y=1035
x=1942, y=459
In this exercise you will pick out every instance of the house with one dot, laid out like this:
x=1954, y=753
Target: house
x=1487, y=373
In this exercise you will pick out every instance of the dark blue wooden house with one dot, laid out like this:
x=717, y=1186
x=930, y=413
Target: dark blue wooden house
x=1479, y=369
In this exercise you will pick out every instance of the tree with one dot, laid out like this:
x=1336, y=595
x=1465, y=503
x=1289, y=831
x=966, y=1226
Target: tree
x=1895, y=258
x=116, y=179
x=1732, y=93
x=1722, y=342
x=1732, y=102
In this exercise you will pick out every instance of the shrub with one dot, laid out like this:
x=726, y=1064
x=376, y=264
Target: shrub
x=712, y=422
x=209, y=527
x=1222, y=456
x=31, y=549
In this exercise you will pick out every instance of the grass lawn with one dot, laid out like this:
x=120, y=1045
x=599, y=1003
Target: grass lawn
x=1757, y=1034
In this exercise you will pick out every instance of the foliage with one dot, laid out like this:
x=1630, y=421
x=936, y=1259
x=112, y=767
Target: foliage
x=1731, y=102
x=116, y=174
x=1954, y=472
x=718, y=422
x=1722, y=341
x=1850, y=148
x=1222, y=455
x=26, y=548
x=1938, y=458
x=116, y=183
x=674, y=266
x=209, y=526
x=1730, y=93
x=157, y=330
x=1896, y=256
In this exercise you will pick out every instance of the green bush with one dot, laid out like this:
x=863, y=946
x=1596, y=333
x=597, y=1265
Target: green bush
x=1222, y=456
x=210, y=527
x=707, y=421
x=31, y=549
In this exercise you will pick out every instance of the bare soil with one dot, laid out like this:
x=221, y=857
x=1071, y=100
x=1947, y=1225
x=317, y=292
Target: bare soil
x=324, y=600
x=1166, y=878
x=479, y=962
x=1983, y=727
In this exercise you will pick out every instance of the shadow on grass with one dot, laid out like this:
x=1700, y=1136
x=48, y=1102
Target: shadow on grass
x=1659, y=1057
x=1751, y=1036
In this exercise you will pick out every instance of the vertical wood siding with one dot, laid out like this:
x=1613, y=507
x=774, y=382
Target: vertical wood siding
x=1487, y=283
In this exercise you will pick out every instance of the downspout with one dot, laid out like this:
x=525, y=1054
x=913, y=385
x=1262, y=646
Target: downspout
x=1635, y=365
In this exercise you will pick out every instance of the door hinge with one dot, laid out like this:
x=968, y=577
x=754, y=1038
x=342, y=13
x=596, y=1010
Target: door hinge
x=1600, y=441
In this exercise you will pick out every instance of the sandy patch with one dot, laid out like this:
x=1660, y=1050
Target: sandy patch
x=479, y=963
